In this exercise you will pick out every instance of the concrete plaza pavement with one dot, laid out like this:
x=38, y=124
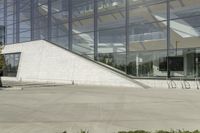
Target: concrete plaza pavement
x=54, y=109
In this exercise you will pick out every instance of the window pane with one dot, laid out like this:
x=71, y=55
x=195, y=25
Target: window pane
x=84, y=43
x=83, y=16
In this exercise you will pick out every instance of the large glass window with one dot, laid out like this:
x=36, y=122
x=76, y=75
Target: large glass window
x=185, y=33
x=111, y=33
x=83, y=26
x=11, y=21
x=25, y=20
x=2, y=12
x=147, y=35
x=2, y=35
x=40, y=19
x=60, y=22
x=83, y=43
x=11, y=64
x=2, y=27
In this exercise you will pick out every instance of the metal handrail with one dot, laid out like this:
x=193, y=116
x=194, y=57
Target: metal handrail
x=185, y=84
x=197, y=81
x=171, y=84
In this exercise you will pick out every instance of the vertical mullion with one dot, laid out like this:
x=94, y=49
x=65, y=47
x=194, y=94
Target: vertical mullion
x=70, y=24
x=17, y=20
x=49, y=21
x=168, y=37
x=5, y=21
x=95, y=29
x=32, y=20
x=127, y=33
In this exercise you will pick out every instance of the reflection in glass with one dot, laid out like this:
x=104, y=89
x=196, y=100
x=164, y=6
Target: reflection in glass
x=131, y=38
x=84, y=43
x=11, y=64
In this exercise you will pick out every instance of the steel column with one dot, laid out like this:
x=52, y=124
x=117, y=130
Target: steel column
x=17, y=21
x=70, y=41
x=168, y=38
x=32, y=20
x=96, y=39
x=49, y=20
x=127, y=34
x=5, y=21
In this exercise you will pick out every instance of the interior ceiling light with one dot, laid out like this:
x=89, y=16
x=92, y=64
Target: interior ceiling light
x=114, y=3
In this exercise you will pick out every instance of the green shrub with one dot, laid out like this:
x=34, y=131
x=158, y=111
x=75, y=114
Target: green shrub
x=82, y=131
x=160, y=131
x=137, y=131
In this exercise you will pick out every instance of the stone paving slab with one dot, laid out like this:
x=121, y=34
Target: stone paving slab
x=97, y=109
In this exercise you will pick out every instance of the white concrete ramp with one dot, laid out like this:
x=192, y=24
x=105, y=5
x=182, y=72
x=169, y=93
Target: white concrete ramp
x=42, y=61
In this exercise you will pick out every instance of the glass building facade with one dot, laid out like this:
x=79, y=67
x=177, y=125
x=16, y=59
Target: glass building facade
x=141, y=38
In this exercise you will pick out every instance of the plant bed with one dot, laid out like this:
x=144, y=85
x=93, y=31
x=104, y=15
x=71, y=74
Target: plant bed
x=160, y=131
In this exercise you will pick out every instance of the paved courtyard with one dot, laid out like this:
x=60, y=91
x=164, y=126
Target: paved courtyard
x=54, y=109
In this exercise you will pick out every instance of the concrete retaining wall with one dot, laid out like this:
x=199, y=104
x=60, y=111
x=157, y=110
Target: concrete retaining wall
x=44, y=62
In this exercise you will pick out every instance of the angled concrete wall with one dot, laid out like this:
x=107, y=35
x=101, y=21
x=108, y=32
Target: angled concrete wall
x=44, y=62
